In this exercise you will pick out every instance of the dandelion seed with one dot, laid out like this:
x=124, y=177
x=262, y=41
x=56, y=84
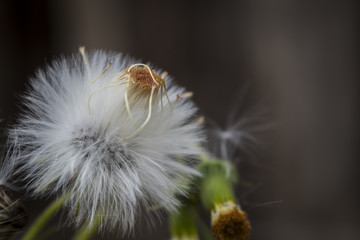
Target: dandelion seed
x=117, y=158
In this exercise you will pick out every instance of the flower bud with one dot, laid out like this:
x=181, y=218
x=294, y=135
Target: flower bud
x=228, y=221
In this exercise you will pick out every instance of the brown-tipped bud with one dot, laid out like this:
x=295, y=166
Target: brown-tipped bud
x=12, y=215
x=229, y=222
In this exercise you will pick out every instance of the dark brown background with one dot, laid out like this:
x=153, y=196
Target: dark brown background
x=301, y=55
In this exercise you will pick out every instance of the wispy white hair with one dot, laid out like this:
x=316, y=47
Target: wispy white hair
x=73, y=137
x=241, y=133
x=4, y=176
x=6, y=170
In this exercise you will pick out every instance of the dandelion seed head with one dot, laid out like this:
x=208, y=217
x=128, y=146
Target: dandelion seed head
x=107, y=131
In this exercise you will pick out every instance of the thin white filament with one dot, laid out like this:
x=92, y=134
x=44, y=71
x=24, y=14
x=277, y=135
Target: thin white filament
x=147, y=118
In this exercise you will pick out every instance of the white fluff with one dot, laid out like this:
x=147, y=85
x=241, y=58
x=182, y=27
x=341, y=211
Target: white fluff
x=3, y=176
x=242, y=134
x=71, y=138
x=6, y=170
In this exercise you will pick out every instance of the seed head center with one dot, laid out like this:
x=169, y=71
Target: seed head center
x=142, y=78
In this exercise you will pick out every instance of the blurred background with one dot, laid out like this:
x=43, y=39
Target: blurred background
x=297, y=58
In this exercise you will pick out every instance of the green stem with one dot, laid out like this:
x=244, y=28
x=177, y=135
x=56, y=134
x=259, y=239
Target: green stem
x=216, y=184
x=89, y=229
x=203, y=229
x=45, y=235
x=182, y=223
x=44, y=217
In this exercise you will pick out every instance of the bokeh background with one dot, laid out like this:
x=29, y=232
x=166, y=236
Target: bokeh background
x=297, y=58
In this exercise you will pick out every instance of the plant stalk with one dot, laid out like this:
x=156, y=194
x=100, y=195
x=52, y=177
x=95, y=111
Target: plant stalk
x=89, y=229
x=44, y=217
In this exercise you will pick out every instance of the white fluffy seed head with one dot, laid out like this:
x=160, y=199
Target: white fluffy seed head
x=76, y=135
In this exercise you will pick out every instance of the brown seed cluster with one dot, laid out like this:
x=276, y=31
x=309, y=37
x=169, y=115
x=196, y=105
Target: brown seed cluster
x=143, y=79
x=233, y=225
